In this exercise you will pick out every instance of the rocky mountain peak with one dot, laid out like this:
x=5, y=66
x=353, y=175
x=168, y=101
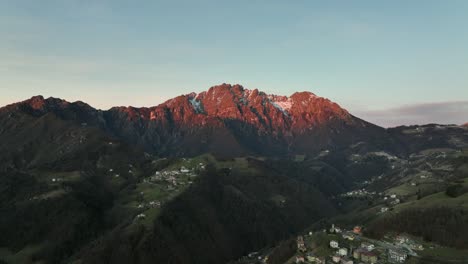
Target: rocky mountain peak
x=223, y=118
x=37, y=102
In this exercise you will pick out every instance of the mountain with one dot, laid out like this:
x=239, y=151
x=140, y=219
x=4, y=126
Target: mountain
x=200, y=178
x=227, y=120
x=229, y=117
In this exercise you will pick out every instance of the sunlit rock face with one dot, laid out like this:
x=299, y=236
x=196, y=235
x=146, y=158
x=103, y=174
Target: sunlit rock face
x=226, y=119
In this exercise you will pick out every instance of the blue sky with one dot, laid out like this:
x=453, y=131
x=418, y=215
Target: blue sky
x=372, y=57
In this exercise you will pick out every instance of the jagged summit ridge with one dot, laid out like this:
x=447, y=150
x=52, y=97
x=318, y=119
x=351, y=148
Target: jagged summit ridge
x=246, y=96
x=225, y=119
x=253, y=106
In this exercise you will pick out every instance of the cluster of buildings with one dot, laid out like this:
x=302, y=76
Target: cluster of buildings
x=366, y=253
x=141, y=216
x=403, y=241
x=342, y=255
x=347, y=234
x=358, y=193
x=353, y=249
x=392, y=199
x=152, y=204
x=172, y=176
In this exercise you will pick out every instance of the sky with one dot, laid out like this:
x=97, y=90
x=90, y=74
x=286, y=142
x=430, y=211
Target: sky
x=389, y=62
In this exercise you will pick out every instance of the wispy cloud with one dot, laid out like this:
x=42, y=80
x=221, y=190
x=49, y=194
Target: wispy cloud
x=454, y=112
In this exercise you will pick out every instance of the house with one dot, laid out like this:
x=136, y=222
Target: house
x=383, y=209
x=348, y=235
x=155, y=204
x=301, y=244
x=416, y=246
x=346, y=260
x=393, y=196
x=252, y=254
x=343, y=251
x=335, y=229
x=367, y=246
x=357, y=253
x=336, y=258
x=368, y=257
x=396, y=256
x=184, y=170
x=401, y=239
x=311, y=257
x=320, y=260
x=334, y=244
x=141, y=216
x=357, y=230
x=300, y=259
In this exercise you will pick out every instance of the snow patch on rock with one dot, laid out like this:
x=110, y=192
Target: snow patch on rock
x=197, y=105
x=286, y=105
x=282, y=103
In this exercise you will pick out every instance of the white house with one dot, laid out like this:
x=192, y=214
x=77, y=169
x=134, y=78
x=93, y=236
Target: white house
x=334, y=244
x=300, y=259
x=346, y=260
x=343, y=251
x=401, y=239
x=141, y=216
x=396, y=256
x=368, y=246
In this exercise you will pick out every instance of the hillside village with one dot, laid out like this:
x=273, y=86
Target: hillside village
x=337, y=245
x=421, y=180
x=342, y=246
x=163, y=185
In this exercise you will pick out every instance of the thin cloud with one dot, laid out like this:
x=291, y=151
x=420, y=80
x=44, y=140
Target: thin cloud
x=454, y=112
